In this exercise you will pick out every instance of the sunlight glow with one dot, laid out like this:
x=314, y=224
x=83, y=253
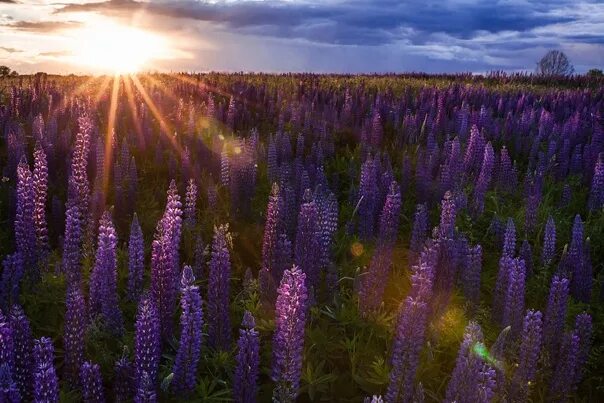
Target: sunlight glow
x=109, y=47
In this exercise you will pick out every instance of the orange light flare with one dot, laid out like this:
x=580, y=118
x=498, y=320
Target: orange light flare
x=133, y=108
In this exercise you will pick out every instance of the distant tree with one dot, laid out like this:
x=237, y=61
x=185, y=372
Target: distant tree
x=14, y=74
x=595, y=73
x=4, y=71
x=555, y=63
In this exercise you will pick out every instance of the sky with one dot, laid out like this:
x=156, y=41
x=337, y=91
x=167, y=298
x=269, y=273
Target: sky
x=64, y=36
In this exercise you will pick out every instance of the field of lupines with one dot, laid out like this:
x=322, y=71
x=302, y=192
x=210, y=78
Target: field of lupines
x=303, y=238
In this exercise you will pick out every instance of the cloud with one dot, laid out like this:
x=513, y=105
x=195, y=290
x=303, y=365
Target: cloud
x=8, y=2
x=58, y=53
x=43, y=26
x=10, y=50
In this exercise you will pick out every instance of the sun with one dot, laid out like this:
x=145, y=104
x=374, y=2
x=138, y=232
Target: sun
x=110, y=47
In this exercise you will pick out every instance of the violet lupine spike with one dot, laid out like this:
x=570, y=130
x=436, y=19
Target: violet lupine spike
x=555, y=313
x=7, y=348
x=40, y=185
x=245, y=387
x=530, y=218
x=23, y=369
x=328, y=224
x=530, y=348
x=419, y=232
x=73, y=335
x=145, y=392
x=190, y=210
x=147, y=343
x=46, y=382
x=306, y=248
x=470, y=274
x=583, y=329
x=288, y=340
x=271, y=228
x=25, y=235
x=408, y=342
x=448, y=212
x=506, y=264
x=526, y=254
x=124, y=380
x=549, y=242
x=191, y=323
x=136, y=260
x=219, y=324
x=104, y=300
x=596, y=195
x=582, y=277
x=92, y=383
x=374, y=279
x=12, y=273
x=9, y=392
x=565, y=373
x=472, y=380
x=225, y=171
x=72, y=245
x=484, y=179
x=367, y=198
x=509, y=239
x=389, y=219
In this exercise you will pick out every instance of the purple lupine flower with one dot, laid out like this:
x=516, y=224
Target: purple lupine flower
x=191, y=203
x=484, y=179
x=46, y=382
x=448, y=213
x=145, y=393
x=419, y=232
x=526, y=254
x=506, y=264
x=374, y=399
x=367, y=198
x=40, y=186
x=9, y=392
x=582, y=278
x=374, y=279
x=212, y=195
x=389, y=219
x=530, y=347
x=25, y=234
x=92, y=383
x=271, y=228
x=74, y=334
x=7, y=348
x=72, y=245
x=474, y=152
x=225, y=171
x=377, y=131
x=565, y=372
x=12, y=274
x=509, y=239
x=328, y=224
x=583, y=329
x=191, y=322
x=165, y=260
x=245, y=388
x=549, y=242
x=470, y=275
x=104, y=300
x=124, y=380
x=555, y=312
x=505, y=175
x=219, y=323
x=271, y=161
x=472, y=380
x=596, y=195
x=306, y=248
x=288, y=340
x=136, y=260
x=408, y=342
x=566, y=195
x=514, y=298
x=23, y=370
x=147, y=347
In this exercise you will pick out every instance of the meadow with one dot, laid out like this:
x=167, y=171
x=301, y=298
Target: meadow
x=301, y=237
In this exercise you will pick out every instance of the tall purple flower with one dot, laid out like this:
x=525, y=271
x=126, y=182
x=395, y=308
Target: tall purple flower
x=596, y=195
x=245, y=387
x=288, y=340
x=72, y=244
x=328, y=224
x=73, y=335
x=271, y=228
x=367, y=198
x=219, y=323
x=92, y=383
x=12, y=273
x=509, y=239
x=23, y=370
x=555, y=312
x=448, y=213
x=103, y=279
x=124, y=380
x=419, y=232
x=7, y=348
x=484, y=179
x=40, y=186
x=191, y=322
x=530, y=347
x=583, y=329
x=46, y=382
x=506, y=265
x=9, y=392
x=470, y=275
x=25, y=234
x=191, y=203
x=565, y=372
x=526, y=254
x=147, y=347
x=472, y=380
x=306, y=249
x=514, y=298
x=549, y=242
x=136, y=260
x=389, y=219
x=374, y=279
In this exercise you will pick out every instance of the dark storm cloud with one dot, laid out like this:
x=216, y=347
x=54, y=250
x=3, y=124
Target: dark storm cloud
x=42, y=26
x=364, y=23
